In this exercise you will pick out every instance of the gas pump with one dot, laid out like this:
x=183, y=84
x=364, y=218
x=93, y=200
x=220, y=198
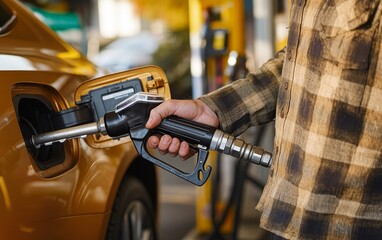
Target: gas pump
x=214, y=48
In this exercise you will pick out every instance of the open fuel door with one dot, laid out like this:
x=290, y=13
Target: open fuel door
x=98, y=96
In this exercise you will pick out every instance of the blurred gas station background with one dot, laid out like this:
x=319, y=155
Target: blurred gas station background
x=201, y=45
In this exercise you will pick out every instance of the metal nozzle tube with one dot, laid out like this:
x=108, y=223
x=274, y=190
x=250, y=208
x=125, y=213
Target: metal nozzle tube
x=68, y=133
x=227, y=144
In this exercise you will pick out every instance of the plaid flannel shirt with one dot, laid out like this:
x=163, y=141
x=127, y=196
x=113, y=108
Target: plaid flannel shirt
x=325, y=92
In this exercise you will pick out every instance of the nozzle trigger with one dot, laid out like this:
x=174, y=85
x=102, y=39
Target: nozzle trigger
x=198, y=176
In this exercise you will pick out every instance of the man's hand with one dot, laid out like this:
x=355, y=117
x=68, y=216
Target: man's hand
x=194, y=110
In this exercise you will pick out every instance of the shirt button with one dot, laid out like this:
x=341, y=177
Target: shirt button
x=289, y=55
x=271, y=172
x=282, y=113
x=286, y=85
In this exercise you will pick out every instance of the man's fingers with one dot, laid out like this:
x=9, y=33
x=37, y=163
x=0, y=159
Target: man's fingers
x=160, y=112
x=174, y=147
x=164, y=144
x=184, y=150
x=153, y=141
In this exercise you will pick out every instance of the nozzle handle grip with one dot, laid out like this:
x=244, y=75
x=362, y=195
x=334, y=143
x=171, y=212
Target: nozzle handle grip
x=187, y=130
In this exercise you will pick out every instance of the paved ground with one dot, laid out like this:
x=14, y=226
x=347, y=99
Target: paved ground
x=177, y=207
x=177, y=215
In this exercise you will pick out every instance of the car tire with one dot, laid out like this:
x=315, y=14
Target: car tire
x=133, y=215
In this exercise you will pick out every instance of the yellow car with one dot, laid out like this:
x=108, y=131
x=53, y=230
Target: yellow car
x=90, y=188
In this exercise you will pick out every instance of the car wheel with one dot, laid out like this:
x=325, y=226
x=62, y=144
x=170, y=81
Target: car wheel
x=133, y=215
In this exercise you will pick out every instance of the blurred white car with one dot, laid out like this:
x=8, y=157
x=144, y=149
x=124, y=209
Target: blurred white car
x=128, y=52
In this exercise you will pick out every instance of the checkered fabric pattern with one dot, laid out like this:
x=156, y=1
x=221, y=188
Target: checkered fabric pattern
x=325, y=92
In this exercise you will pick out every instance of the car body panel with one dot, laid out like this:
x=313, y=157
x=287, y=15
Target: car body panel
x=34, y=46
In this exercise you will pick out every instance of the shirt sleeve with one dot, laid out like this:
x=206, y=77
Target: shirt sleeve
x=250, y=101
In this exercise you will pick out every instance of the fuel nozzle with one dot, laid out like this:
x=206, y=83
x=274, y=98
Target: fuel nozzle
x=129, y=119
